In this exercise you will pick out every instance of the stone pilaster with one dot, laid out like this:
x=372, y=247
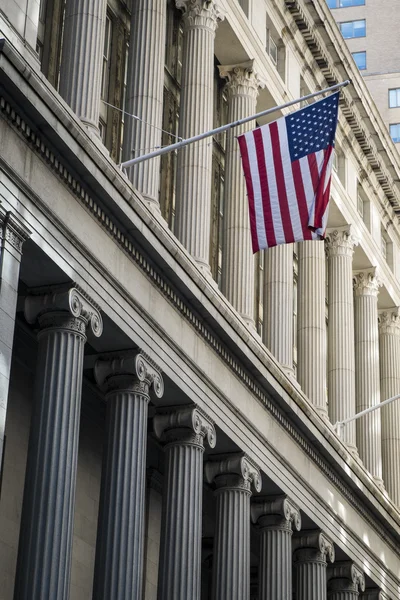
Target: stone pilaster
x=194, y=167
x=126, y=380
x=345, y=581
x=278, y=304
x=389, y=347
x=339, y=247
x=82, y=55
x=144, y=94
x=238, y=263
x=276, y=517
x=45, y=545
x=13, y=234
x=366, y=287
x=234, y=476
x=312, y=551
x=184, y=430
x=311, y=327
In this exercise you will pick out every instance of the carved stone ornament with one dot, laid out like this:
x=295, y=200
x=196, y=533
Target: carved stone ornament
x=201, y=13
x=345, y=577
x=313, y=545
x=186, y=424
x=129, y=369
x=366, y=283
x=389, y=322
x=12, y=230
x=71, y=301
x=233, y=471
x=277, y=511
x=341, y=241
x=242, y=79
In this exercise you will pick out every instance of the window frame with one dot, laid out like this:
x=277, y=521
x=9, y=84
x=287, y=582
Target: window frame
x=397, y=90
x=338, y=4
x=352, y=22
x=365, y=54
x=396, y=141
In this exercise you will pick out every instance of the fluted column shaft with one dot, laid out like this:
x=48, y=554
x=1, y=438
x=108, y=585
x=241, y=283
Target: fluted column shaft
x=311, y=557
x=311, y=327
x=341, y=362
x=45, y=546
x=231, y=557
x=179, y=575
x=238, y=262
x=389, y=342
x=144, y=94
x=278, y=304
x=82, y=53
x=368, y=428
x=194, y=166
x=120, y=533
x=274, y=517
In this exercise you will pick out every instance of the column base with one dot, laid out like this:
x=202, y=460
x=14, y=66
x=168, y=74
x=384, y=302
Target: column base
x=379, y=483
x=353, y=450
x=249, y=323
x=323, y=413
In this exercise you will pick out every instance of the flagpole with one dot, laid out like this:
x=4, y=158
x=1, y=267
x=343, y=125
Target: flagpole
x=202, y=136
x=339, y=425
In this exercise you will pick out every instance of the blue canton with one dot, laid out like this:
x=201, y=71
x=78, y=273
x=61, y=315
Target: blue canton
x=312, y=128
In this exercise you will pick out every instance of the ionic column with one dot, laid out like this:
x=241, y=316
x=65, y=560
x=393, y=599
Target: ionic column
x=339, y=246
x=389, y=347
x=374, y=594
x=312, y=551
x=184, y=430
x=194, y=167
x=12, y=236
x=275, y=517
x=278, y=304
x=126, y=380
x=366, y=286
x=345, y=581
x=82, y=58
x=234, y=476
x=144, y=94
x=238, y=263
x=311, y=327
x=45, y=545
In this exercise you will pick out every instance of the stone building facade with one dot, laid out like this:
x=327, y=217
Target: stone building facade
x=167, y=400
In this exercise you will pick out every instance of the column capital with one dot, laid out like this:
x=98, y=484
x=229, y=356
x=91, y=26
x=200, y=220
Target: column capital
x=345, y=577
x=276, y=512
x=12, y=230
x=313, y=546
x=201, y=13
x=187, y=424
x=366, y=282
x=374, y=594
x=44, y=303
x=129, y=369
x=389, y=321
x=243, y=80
x=233, y=471
x=340, y=241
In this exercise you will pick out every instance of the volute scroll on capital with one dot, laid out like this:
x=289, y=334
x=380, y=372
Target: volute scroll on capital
x=389, y=321
x=129, y=368
x=242, y=79
x=201, y=13
x=366, y=282
x=270, y=511
x=233, y=470
x=314, y=542
x=345, y=576
x=188, y=423
x=72, y=301
x=341, y=241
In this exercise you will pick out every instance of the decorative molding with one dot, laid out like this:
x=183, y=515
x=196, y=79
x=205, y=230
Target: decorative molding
x=366, y=282
x=187, y=424
x=340, y=241
x=273, y=511
x=314, y=544
x=201, y=13
x=12, y=230
x=233, y=470
x=345, y=576
x=129, y=369
x=242, y=79
x=42, y=301
x=389, y=321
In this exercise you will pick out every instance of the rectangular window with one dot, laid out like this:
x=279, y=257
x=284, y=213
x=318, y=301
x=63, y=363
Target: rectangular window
x=353, y=29
x=360, y=58
x=344, y=3
x=395, y=132
x=394, y=98
x=105, y=79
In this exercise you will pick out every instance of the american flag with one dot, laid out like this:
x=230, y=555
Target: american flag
x=287, y=167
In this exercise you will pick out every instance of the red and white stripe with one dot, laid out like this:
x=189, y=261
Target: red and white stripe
x=288, y=201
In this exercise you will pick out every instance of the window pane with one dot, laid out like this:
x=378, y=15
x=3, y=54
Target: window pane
x=394, y=98
x=332, y=3
x=352, y=29
x=360, y=59
x=346, y=3
x=395, y=132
